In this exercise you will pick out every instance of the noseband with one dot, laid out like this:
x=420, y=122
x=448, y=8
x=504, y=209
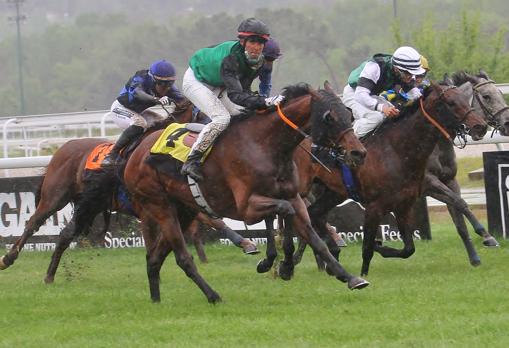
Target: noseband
x=491, y=116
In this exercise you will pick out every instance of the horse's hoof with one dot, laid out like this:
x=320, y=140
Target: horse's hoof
x=285, y=272
x=475, y=261
x=49, y=280
x=263, y=266
x=2, y=264
x=297, y=259
x=214, y=298
x=357, y=283
x=250, y=249
x=490, y=242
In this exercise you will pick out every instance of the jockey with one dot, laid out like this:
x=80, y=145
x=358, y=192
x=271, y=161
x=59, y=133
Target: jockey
x=380, y=73
x=271, y=52
x=145, y=89
x=218, y=81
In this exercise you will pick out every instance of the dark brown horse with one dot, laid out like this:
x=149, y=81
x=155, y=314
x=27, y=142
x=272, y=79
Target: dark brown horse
x=392, y=176
x=65, y=182
x=250, y=175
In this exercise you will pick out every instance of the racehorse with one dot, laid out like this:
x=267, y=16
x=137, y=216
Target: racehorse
x=440, y=179
x=391, y=179
x=65, y=181
x=440, y=176
x=250, y=175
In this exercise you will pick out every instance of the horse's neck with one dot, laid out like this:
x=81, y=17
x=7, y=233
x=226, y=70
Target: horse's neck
x=413, y=138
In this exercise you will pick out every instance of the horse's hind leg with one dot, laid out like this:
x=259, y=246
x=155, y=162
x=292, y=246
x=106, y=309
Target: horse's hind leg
x=46, y=207
x=64, y=240
x=462, y=208
x=172, y=238
x=193, y=232
x=456, y=207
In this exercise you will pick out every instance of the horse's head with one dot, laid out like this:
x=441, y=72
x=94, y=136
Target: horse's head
x=332, y=125
x=446, y=101
x=487, y=99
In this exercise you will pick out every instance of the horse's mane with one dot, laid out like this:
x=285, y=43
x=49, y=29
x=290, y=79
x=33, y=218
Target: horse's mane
x=461, y=77
x=407, y=111
x=295, y=91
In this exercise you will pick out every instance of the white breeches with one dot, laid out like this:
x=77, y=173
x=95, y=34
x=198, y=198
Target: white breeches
x=213, y=102
x=124, y=117
x=365, y=120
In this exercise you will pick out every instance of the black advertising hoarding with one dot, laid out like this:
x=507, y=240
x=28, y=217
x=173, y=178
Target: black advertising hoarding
x=496, y=183
x=17, y=204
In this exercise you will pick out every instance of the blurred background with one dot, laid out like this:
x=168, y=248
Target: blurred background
x=76, y=55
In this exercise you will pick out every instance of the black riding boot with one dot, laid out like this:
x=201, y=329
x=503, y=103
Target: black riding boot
x=127, y=136
x=192, y=166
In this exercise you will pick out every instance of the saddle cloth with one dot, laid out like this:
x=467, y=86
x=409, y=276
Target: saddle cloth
x=97, y=155
x=176, y=140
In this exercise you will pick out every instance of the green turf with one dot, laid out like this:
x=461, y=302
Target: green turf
x=100, y=299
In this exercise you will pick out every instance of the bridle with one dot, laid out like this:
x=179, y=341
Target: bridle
x=491, y=116
x=436, y=124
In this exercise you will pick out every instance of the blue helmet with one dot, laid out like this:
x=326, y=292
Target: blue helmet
x=163, y=70
x=271, y=51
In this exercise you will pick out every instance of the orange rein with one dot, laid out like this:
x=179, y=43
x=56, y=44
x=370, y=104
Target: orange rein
x=435, y=123
x=289, y=122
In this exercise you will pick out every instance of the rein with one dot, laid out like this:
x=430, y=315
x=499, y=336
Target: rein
x=290, y=122
x=434, y=122
x=294, y=126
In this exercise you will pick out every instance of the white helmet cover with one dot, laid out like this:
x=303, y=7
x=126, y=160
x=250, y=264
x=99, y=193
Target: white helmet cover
x=408, y=59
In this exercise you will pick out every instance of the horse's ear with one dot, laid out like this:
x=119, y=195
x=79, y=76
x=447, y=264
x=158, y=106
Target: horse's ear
x=328, y=86
x=483, y=74
x=447, y=80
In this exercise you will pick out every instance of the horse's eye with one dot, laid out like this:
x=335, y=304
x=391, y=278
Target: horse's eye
x=486, y=97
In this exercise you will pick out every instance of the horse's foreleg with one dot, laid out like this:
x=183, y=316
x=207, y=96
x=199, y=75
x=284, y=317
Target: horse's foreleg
x=302, y=225
x=171, y=238
x=286, y=266
x=371, y=221
x=266, y=264
x=64, y=240
x=403, y=216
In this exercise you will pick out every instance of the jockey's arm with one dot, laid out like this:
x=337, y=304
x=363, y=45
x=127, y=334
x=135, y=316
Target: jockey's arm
x=230, y=76
x=265, y=79
x=143, y=96
x=367, y=81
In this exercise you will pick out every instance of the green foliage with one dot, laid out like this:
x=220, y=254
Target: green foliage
x=80, y=61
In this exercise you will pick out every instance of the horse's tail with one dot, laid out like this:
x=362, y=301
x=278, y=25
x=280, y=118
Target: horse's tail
x=39, y=189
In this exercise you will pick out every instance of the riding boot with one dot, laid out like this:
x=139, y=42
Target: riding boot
x=128, y=135
x=192, y=166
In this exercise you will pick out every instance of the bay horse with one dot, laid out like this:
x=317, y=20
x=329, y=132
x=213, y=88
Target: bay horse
x=250, y=175
x=440, y=176
x=391, y=178
x=440, y=179
x=65, y=182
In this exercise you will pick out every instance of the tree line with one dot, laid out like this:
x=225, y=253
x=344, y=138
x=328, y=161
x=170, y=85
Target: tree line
x=82, y=64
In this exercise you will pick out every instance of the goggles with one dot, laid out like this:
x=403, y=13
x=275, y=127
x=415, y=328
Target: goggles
x=164, y=83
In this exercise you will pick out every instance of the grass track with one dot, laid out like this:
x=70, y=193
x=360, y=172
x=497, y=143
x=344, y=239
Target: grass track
x=100, y=299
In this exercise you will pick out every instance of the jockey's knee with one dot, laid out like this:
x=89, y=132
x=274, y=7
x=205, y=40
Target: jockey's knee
x=220, y=122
